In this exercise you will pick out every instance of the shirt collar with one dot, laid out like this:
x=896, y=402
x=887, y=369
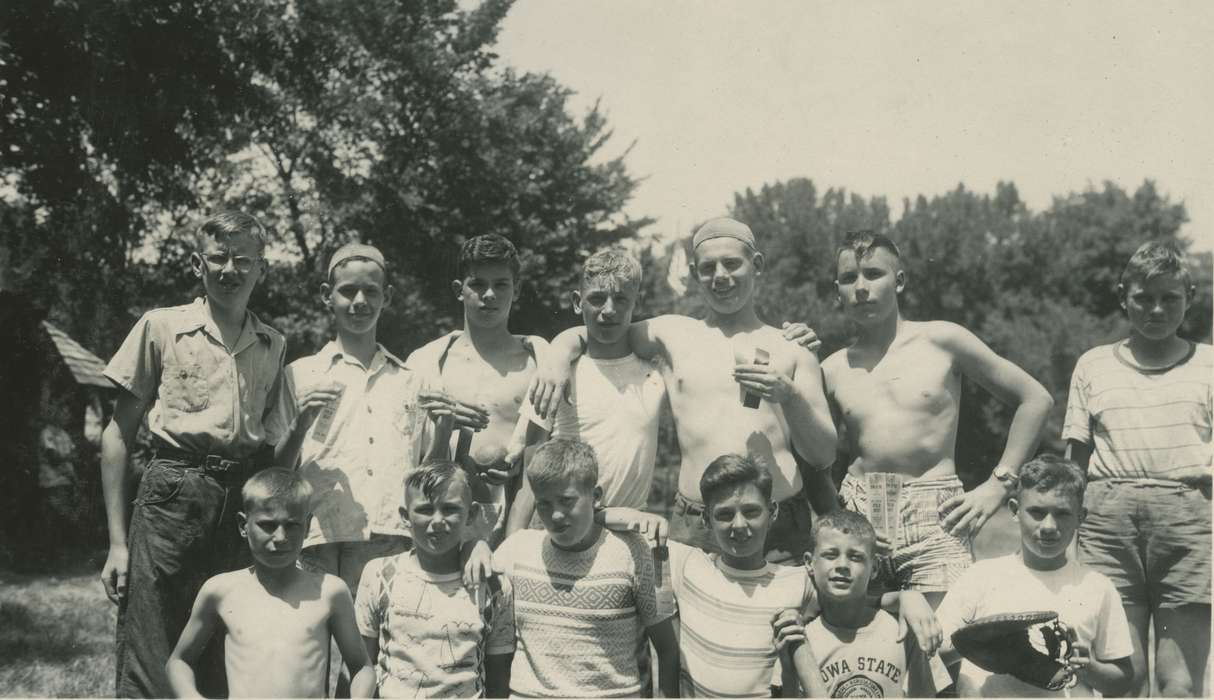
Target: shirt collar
x=332, y=352
x=197, y=316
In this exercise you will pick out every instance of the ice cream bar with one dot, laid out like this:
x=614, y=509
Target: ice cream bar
x=761, y=358
x=324, y=421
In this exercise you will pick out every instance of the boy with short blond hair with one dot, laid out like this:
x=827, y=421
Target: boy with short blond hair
x=615, y=398
x=1048, y=507
x=275, y=617
x=428, y=633
x=1139, y=421
x=583, y=595
x=207, y=375
x=853, y=649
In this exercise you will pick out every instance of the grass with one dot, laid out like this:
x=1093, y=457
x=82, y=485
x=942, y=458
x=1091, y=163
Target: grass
x=56, y=630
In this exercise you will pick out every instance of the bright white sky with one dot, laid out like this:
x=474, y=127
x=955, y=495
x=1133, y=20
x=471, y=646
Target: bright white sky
x=885, y=98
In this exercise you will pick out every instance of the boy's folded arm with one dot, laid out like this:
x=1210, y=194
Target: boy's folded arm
x=914, y=613
x=1111, y=677
x=202, y=625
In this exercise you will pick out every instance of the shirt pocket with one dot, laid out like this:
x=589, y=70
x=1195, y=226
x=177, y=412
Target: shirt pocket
x=405, y=418
x=183, y=387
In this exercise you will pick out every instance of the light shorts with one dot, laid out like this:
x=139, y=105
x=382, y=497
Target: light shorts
x=1151, y=538
x=925, y=557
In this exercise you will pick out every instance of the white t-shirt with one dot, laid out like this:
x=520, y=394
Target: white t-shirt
x=871, y=662
x=1084, y=599
x=616, y=404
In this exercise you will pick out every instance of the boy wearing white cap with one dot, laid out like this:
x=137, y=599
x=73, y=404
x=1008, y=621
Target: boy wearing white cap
x=736, y=386
x=358, y=424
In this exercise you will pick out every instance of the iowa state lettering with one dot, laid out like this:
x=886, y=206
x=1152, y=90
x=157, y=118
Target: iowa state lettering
x=867, y=665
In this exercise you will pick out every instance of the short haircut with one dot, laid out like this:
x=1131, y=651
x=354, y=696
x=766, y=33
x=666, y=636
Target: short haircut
x=1152, y=259
x=865, y=241
x=487, y=249
x=1048, y=472
x=225, y=225
x=436, y=473
x=614, y=264
x=847, y=522
x=276, y=484
x=730, y=471
x=562, y=460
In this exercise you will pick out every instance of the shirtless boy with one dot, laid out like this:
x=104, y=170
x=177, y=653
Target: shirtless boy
x=709, y=367
x=485, y=368
x=276, y=618
x=896, y=391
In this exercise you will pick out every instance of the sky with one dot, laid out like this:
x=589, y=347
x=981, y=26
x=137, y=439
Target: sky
x=889, y=99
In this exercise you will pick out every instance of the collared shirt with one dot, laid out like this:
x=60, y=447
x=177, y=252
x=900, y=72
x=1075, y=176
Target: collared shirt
x=204, y=398
x=375, y=438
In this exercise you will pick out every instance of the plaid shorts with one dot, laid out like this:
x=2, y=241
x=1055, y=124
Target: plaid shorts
x=924, y=556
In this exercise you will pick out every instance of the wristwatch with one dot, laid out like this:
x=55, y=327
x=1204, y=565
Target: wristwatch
x=1006, y=477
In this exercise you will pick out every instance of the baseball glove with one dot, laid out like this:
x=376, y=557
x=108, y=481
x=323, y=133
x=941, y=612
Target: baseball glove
x=1032, y=646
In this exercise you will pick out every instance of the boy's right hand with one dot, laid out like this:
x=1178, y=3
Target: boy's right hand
x=788, y=628
x=314, y=398
x=549, y=386
x=653, y=528
x=113, y=574
x=465, y=415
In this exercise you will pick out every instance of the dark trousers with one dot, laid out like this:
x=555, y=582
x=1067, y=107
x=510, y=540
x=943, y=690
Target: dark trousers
x=183, y=531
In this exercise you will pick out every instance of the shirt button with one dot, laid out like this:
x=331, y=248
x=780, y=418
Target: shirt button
x=370, y=472
x=371, y=440
x=368, y=409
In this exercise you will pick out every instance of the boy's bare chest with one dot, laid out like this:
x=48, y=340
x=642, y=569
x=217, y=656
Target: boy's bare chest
x=267, y=621
x=915, y=378
x=701, y=364
x=500, y=384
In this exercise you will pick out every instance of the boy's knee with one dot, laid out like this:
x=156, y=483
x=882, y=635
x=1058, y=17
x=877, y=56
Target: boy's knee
x=1175, y=682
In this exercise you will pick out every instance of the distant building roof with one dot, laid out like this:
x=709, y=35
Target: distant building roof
x=86, y=367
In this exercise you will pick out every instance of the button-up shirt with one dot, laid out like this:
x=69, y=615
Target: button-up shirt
x=375, y=438
x=203, y=397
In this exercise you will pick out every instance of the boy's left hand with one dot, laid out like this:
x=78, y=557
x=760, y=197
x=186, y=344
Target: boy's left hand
x=965, y=514
x=915, y=613
x=802, y=335
x=1081, y=657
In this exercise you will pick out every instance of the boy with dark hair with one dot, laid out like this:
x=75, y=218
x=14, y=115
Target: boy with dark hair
x=275, y=617
x=615, y=398
x=896, y=393
x=483, y=372
x=1048, y=507
x=207, y=375
x=736, y=385
x=583, y=595
x=429, y=634
x=727, y=601
x=853, y=649
x=1138, y=420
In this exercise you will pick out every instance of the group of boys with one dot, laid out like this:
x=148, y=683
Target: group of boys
x=399, y=523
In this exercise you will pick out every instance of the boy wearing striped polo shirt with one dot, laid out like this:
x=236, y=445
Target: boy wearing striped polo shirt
x=1139, y=420
x=728, y=601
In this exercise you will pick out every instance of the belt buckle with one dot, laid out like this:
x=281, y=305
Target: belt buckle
x=215, y=463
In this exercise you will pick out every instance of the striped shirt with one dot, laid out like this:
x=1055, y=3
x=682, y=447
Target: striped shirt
x=578, y=615
x=1142, y=424
x=726, y=645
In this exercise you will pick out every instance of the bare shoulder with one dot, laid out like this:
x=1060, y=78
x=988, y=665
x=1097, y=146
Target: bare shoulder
x=331, y=587
x=945, y=334
x=671, y=325
x=779, y=346
x=429, y=352
x=226, y=585
x=834, y=362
